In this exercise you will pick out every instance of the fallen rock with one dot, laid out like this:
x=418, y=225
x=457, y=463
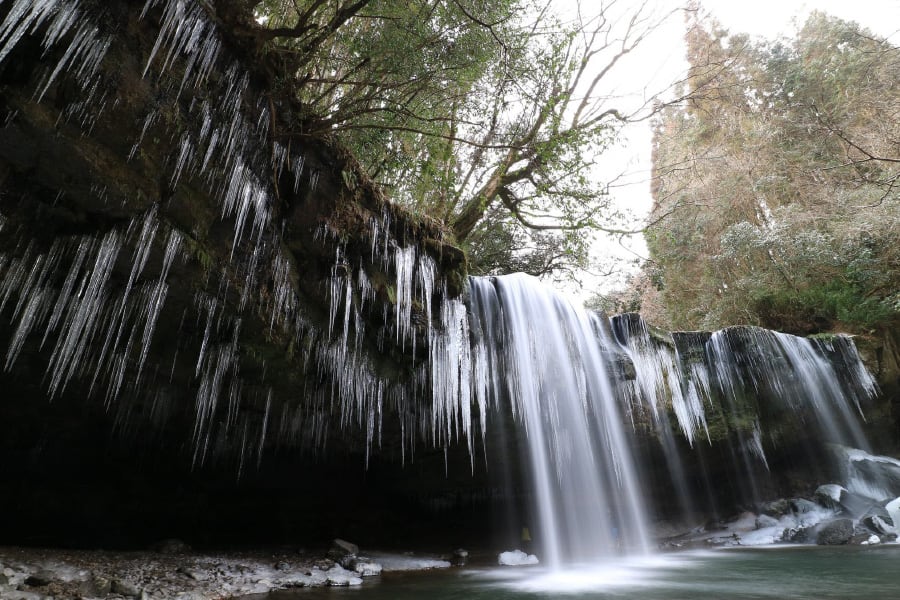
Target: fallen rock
x=873, y=539
x=829, y=495
x=840, y=499
x=878, y=520
x=776, y=508
x=515, y=558
x=799, y=535
x=835, y=533
x=803, y=506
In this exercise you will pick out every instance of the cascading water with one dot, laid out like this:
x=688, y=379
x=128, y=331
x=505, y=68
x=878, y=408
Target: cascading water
x=560, y=371
x=555, y=372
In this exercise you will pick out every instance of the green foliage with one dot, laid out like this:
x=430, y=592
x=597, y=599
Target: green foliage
x=487, y=116
x=777, y=183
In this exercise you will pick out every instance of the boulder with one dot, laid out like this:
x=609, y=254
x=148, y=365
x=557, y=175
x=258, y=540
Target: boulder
x=873, y=539
x=829, y=495
x=776, y=508
x=878, y=520
x=799, y=535
x=840, y=499
x=515, y=558
x=803, y=506
x=835, y=533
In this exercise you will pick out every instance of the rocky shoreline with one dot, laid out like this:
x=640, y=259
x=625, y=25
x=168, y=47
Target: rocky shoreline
x=173, y=572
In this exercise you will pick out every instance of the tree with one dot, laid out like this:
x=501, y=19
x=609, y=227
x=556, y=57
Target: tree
x=777, y=186
x=486, y=116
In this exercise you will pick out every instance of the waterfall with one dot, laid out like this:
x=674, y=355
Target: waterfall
x=588, y=394
x=586, y=390
x=556, y=375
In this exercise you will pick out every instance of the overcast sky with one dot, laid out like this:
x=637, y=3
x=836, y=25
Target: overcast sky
x=662, y=60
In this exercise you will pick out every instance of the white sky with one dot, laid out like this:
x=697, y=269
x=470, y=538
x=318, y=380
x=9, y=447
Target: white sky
x=661, y=60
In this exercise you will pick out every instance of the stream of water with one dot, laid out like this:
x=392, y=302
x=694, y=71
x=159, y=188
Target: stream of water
x=798, y=573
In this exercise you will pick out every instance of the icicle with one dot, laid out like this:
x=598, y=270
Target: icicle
x=297, y=169
x=82, y=320
x=148, y=121
x=404, y=265
x=87, y=49
x=24, y=16
x=158, y=298
x=264, y=430
x=451, y=365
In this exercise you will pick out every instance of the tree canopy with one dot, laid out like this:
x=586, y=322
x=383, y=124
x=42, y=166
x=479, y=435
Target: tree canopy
x=487, y=116
x=777, y=183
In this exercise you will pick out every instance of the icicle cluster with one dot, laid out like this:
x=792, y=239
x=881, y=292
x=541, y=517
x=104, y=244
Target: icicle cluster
x=71, y=301
x=84, y=47
x=433, y=401
x=92, y=327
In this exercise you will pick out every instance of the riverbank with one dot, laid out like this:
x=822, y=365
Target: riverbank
x=175, y=573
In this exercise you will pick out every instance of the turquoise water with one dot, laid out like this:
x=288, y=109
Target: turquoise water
x=813, y=573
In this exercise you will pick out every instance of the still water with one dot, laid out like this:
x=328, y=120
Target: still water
x=813, y=573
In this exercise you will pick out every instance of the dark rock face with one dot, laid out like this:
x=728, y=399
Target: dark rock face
x=189, y=289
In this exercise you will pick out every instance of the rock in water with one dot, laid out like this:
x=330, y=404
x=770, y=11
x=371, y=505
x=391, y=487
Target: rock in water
x=840, y=499
x=776, y=508
x=873, y=539
x=835, y=533
x=515, y=558
x=878, y=520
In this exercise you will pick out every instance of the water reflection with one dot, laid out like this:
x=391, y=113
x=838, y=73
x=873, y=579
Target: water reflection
x=799, y=573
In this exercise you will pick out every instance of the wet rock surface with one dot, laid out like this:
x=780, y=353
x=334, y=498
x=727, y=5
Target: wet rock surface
x=836, y=533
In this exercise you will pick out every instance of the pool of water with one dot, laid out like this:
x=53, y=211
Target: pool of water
x=814, y=573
